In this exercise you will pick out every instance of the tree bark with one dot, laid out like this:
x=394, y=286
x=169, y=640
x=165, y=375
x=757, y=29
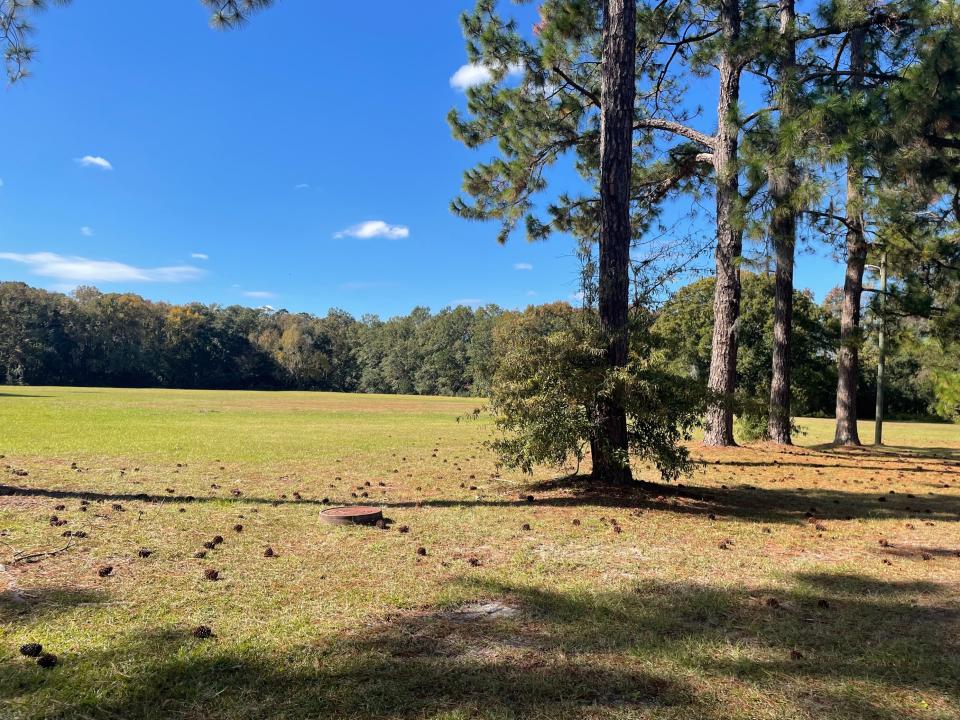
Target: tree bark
x=611, y=461
x=782, y=181
x=848, y=358
x=726, y=300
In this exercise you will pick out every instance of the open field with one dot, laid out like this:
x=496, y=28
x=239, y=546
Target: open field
x=757, y=588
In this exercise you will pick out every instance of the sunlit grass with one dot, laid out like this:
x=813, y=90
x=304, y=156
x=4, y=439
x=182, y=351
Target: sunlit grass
x=652, y=620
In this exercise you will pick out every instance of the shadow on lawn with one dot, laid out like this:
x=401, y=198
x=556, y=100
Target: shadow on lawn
x=890, y=453
x=26, y=605
x=744, y=502
x=831, y=646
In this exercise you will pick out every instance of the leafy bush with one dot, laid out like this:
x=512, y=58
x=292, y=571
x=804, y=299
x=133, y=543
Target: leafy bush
x=549, y=374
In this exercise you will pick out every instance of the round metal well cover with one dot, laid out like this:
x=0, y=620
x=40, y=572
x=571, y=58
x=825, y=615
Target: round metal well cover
x=352, y=514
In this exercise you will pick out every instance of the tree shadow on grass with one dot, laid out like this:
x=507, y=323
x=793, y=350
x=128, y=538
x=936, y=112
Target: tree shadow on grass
x=18, y=605
x=831, y=646
x=745, y=502
x=890, y=453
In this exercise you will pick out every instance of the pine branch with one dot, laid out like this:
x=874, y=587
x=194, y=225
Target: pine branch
x=754, y=115
x=577, y=86
x=677, y=129
x=877, y=18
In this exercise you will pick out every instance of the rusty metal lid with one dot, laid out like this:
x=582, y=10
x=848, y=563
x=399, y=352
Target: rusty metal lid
x=351, y=515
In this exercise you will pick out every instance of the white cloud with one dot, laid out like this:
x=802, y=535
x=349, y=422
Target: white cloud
x=86, y=231
x=80, y=269
x=301, y=186
x=199, y=256
x=95, y=161
x=522, y=266
x=1, y=182
x=374, y=229
x=469, y=302
x=259, y=294
x=474, y=74
x=531, y=293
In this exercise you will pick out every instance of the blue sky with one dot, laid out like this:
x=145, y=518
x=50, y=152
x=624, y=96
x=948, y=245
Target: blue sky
x=302, y=162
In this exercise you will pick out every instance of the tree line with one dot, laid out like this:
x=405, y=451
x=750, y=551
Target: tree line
x=123, y=340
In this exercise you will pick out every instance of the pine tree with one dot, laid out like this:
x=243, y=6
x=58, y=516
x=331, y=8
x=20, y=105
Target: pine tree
x=618, y=90
x=782, y=183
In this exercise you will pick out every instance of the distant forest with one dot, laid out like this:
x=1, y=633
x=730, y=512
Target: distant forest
x=91, y=338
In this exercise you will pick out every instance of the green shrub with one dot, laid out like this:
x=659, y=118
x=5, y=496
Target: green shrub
x=549, y=374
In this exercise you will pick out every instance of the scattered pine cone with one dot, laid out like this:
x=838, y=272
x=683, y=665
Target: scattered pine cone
x=202, y=632
x=217, y=539
x=403, y=529
x=421, y=551
x=105, y=570
x=47, y=660
x=200, y=554
x=238, y=528
x=525, y=527
x=144, y=553
x=268, y=552
x=211, y=574
x=31, y=649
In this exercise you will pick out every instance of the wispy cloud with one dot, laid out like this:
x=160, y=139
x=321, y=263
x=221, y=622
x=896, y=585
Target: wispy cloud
x=474, y=74
x=199, y=256
x=374, y=229
x=531, y=293
x=522, y=266
x=468, y=302
x=80, y=269
x=301, y=186
x=1, y=182
x=259, y=294
x=95, y=161
x=86, y=231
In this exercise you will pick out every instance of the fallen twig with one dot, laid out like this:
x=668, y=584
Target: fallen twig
x=20, y=557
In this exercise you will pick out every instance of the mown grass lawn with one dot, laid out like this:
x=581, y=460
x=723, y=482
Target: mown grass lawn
x=806, y=583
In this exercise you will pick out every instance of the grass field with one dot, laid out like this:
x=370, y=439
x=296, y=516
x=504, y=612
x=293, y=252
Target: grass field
x=805, y=583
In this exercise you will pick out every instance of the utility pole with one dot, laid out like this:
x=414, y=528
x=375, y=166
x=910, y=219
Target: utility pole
x=878, y=427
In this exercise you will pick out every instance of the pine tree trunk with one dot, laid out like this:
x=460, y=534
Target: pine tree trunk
x=848, y=358
x=782, y=180
x=726, y=300
x=617, y=93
